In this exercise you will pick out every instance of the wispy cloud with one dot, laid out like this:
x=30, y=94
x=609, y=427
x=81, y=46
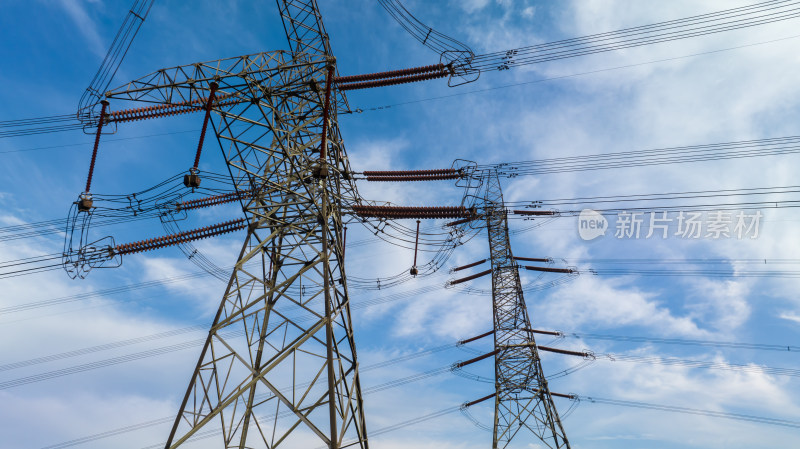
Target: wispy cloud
x=76, y=11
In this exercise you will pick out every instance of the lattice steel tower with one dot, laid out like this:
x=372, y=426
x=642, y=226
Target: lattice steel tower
x=522, y=398
x=279, y=365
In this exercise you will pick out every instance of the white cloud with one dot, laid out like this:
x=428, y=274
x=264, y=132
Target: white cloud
x=593, y=303
x=77, y=12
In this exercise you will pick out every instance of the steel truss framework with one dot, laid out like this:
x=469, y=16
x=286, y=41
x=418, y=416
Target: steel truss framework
x=522, y=397
x=279, y=365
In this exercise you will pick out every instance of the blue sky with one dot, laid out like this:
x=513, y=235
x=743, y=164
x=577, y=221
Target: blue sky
x=53, y=48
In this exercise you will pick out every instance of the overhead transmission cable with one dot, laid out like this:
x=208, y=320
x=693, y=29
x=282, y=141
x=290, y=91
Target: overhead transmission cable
x=560, y=77
x=689, y=411
x=639, y=158
x=672, y=30
x=163, y=420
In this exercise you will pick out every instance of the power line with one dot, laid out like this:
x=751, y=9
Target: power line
x=683, y=342
x=560, y=77
x=167, y=419
x=705, y=24
x=690, y=411
x=640, y=158
x=105, y=141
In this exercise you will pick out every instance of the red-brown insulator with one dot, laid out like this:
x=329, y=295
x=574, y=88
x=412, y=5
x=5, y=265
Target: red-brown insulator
x=562, y=395
x=476, y=359
x=478, y=401
x=438, y=171
x=389, y=74
x=168, y=109
x=469, y=278
x=392, y=81
x=470, y=340
x=538, y=331
x=412, y=178
x=534, y=212
x=550, y=269
x=563, y=351
x=186, y=236
x=474, y=264
x=532, y=259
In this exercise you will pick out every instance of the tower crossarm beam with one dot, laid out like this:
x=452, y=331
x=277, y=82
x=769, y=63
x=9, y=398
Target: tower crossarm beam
x=237, y=77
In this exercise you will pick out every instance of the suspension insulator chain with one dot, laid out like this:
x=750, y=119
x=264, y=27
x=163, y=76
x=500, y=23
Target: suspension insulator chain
x=551, y=269
x=393, y=81
x=474, y=264
x=213, y=200
x=534, y=212
x=395, y=212
x=166, y=110
x=469, y=278
x=85, y=201
x=437, y=171
x=414, y=175
x=533, y=259
x=193, y=179
x=104, y=105
x=390, y=74
x=183, y=237
x=391, y=78
x=411, y=178
x=208, y=106
x=414, y=270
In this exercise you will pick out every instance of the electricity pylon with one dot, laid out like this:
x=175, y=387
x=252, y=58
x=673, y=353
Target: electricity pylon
x=279, y=365
x=522, y=398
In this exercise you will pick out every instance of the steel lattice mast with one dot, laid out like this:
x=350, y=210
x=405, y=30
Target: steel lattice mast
x=522, y=397
x=279, y=365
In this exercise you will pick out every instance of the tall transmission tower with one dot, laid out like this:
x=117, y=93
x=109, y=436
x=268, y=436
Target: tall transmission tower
x=279, y=364
x=522, y=398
